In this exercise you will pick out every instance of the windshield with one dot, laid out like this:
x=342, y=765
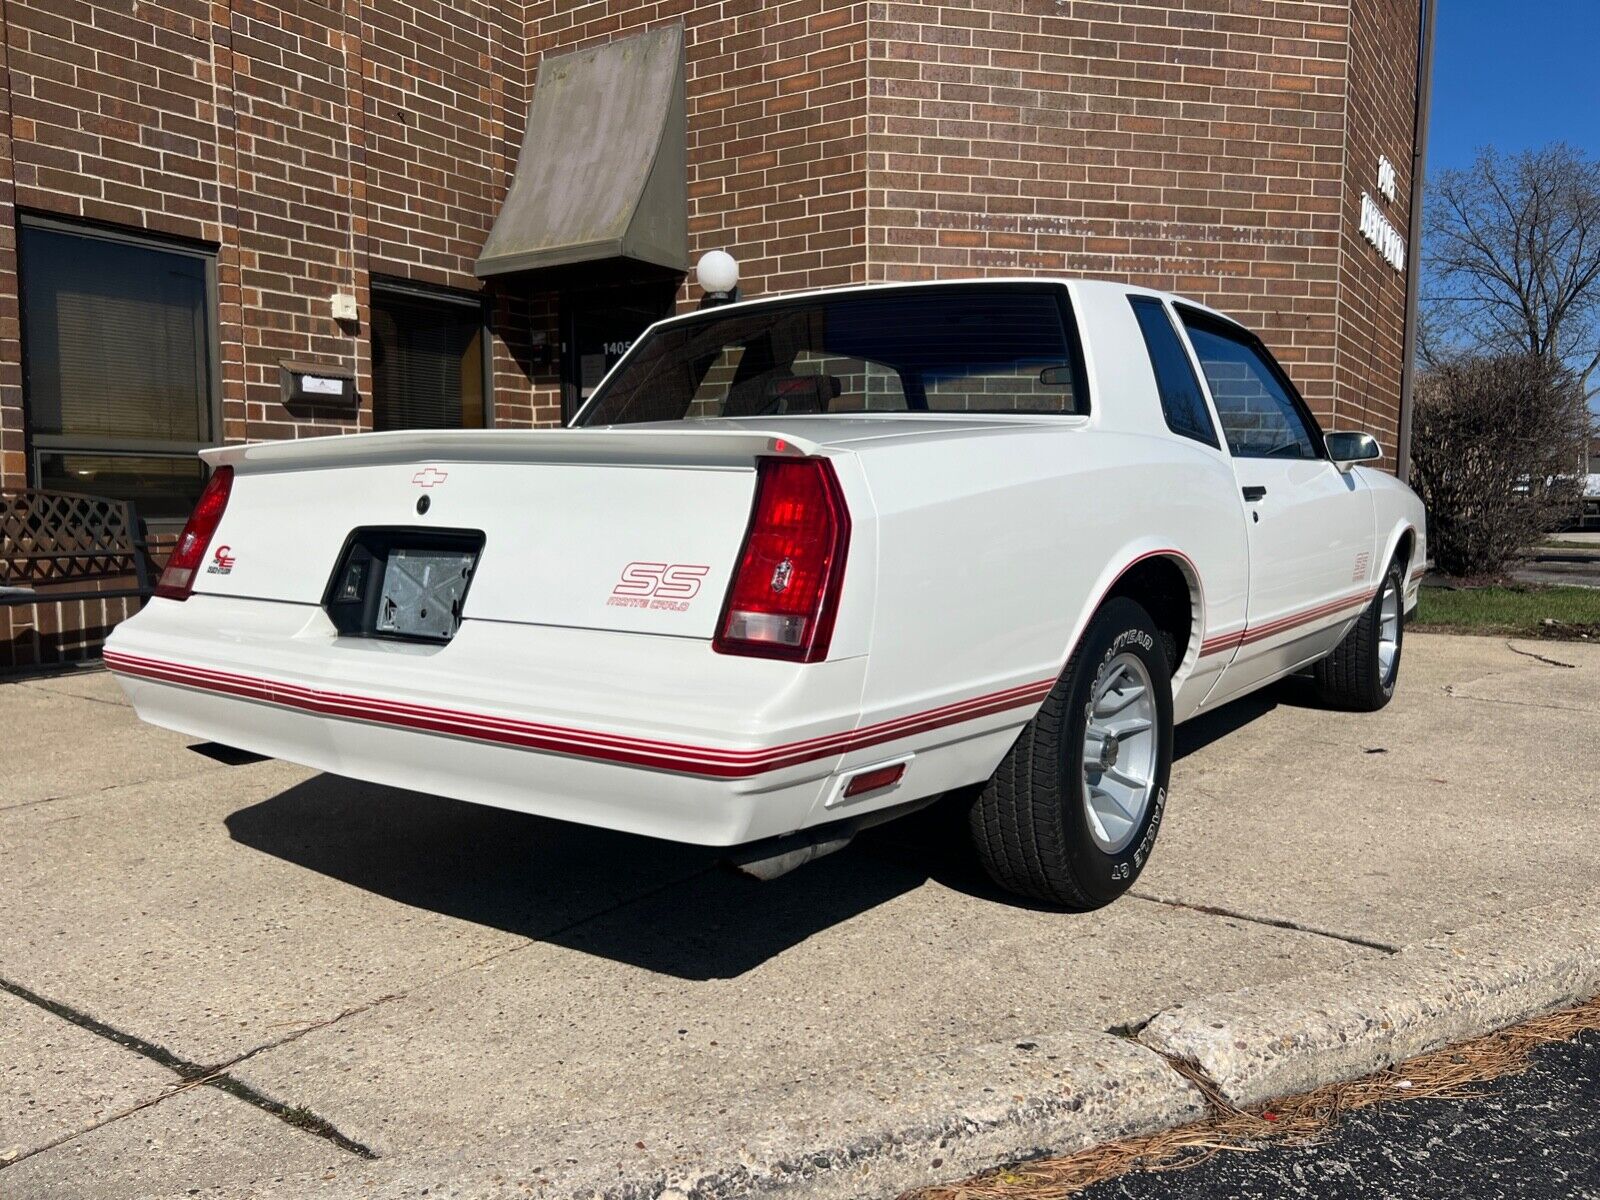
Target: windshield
x=983, y=348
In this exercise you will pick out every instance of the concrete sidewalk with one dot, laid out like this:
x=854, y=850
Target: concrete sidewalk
x=255, y=980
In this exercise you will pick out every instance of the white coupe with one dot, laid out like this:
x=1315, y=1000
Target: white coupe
x=800, y=565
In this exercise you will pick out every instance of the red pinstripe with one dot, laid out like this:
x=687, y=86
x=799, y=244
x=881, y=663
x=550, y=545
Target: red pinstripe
x=1256, y=633
x=710, y=761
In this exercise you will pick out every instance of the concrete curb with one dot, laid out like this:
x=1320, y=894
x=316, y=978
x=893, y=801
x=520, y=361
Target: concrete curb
x=870, y=1130
x=875, y=1130
x=878, y=1132
x=1264, y=1042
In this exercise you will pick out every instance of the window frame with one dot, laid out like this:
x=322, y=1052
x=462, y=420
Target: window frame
x=1181, y=339
x=1221, y=326
x=1071, y=329
x=416, y=294
x=38, y=445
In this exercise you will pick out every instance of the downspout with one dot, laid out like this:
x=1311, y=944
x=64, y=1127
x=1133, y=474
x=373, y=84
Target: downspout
x=1419, y=155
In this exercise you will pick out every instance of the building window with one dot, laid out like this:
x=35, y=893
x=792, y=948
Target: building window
x=118, y=365
x=428, y=367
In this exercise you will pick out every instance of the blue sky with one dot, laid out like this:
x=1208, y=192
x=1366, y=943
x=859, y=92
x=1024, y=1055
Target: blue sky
x=1514, y=76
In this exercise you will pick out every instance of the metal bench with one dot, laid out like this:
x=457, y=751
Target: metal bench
x=58, y=546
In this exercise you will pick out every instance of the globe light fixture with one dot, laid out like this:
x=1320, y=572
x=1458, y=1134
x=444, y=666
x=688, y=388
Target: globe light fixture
x=717, y=272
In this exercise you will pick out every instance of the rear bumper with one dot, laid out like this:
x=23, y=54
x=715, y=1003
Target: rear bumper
x=649, y=735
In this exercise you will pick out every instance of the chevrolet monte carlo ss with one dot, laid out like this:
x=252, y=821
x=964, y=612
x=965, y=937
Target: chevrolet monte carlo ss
x=799, y=566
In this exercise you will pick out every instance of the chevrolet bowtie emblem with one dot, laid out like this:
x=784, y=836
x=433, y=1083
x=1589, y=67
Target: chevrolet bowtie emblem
x=429, y=476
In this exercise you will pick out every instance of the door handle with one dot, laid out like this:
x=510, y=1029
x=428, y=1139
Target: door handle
x=1254, y=493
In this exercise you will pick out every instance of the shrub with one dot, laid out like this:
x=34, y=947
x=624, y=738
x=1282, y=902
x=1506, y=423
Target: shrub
x=1496, y=450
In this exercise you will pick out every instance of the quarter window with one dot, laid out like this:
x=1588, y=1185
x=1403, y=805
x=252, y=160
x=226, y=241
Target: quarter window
x=1260, y=418
x=118, y=365
x=1181, y=401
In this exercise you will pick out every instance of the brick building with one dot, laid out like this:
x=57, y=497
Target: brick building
x=186, y=187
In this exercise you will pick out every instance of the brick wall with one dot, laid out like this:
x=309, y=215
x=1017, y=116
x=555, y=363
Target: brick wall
x=1216, y=147
x=1371, y=331
x=1198, y=147
x=13, y=462
x=51, y=634
x=310, y=144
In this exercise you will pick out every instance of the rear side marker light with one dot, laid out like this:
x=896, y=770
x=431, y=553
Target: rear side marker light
x=874, y=781
x=177, y=579
x=785, y=592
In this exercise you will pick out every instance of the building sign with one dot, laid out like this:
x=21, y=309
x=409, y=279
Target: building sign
x=1386, y=178
x=1375, y=224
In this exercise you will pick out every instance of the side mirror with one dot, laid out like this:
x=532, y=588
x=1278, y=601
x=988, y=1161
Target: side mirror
x=1056, y=377
x=1348, y=449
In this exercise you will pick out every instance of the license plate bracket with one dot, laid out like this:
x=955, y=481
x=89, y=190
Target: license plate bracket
x=405, y=584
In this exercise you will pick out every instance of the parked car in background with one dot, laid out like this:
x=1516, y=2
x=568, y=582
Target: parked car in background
x=1590, y=518
x=819, y=560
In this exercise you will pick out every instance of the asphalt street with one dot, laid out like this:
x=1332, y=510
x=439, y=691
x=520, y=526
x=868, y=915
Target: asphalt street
x=1531, y=1136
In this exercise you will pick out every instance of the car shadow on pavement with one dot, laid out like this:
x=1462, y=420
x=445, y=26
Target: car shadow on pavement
x=657, y=905
x=664, y=907
x=1199, y=732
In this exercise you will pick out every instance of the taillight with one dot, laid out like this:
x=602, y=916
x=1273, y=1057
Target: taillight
x=177, y=580
x=785, y=592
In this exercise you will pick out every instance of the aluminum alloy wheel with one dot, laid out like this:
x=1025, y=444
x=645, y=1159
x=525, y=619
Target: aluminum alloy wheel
x=1388, y=631
x=1119, y=753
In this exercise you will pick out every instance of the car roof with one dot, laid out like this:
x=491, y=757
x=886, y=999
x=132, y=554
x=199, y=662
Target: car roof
x=1086, y=288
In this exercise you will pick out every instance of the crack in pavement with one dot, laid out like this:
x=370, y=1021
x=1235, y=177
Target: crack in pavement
x=110, y=787
x=356, y=1010
x=121, y=785
x=1212, y=910
x=33, y=687
x=1553, y=662
x=191, y=1074
x=1450, y=691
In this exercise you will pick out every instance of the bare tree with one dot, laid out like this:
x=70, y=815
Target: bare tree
x=1495, y=457
x=1512, y=247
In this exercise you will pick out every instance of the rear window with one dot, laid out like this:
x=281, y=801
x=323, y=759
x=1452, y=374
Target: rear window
x=980, y=349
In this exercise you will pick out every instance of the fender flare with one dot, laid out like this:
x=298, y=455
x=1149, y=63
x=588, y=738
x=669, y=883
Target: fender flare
x=1411, y=576
x=1113, y=574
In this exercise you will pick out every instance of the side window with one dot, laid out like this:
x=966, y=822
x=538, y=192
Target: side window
x=119, y=368
x=1181, y=401
x=1259, y=417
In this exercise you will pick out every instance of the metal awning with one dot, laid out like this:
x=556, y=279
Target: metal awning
x=601, y=172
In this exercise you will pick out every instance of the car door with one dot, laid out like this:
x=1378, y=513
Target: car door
x=1310, y=524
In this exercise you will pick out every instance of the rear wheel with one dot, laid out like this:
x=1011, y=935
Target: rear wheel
x=1072, y=813
x=1360, y=673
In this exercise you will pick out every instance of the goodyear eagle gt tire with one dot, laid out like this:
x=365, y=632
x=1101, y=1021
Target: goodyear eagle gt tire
x=1072, y=813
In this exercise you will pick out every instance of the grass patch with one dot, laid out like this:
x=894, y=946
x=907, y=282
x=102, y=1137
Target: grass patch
x=1537, y=612
x=1557, y=543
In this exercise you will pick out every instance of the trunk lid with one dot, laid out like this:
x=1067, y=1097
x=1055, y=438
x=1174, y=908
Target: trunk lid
x=603, y=529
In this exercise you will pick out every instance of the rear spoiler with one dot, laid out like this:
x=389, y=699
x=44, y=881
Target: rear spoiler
x=621, y=445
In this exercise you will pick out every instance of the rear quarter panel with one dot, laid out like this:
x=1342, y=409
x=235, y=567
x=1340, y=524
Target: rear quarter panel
x=994, y=551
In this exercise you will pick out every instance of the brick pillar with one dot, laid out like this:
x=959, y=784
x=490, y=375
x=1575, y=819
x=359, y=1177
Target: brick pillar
x=230, y=299
x=13, y=458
